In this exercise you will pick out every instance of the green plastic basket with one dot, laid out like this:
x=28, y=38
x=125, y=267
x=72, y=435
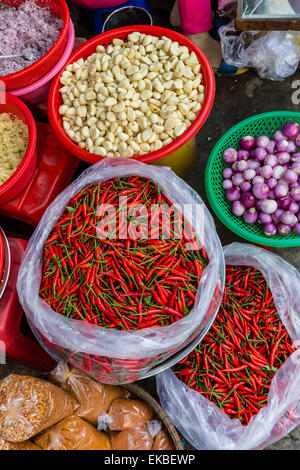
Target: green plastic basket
x=261, y=124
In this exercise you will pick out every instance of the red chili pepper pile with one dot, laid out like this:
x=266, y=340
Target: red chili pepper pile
x=234, y=365
x=122, y=283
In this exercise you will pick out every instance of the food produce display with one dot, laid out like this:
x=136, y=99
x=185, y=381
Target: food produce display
x=262, y=180
x=241, y=383
x=29, y=31
x=235, y=363
x=37, y=415
x=13, y=145
x=97, y=306
x=132, y=97
x=126, y=283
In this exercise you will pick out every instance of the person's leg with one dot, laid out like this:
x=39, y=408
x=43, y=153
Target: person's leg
x=195, y=18
x=175, y=19
x=195, y=15
x=210, y=47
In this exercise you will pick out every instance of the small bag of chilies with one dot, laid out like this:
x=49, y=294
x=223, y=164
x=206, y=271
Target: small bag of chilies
x=202, y=422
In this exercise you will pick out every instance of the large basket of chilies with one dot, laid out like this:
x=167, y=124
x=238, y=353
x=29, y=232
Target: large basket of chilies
x=239, y=388
x=124, y=270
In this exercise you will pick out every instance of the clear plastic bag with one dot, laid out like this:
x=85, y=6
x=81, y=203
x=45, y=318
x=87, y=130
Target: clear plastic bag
x=162, y=441
x=73, y=433
x=140, y=437
x=125, y=414
x=27, y=445
x=29, y=405
x=275, y=55
x=94, y=398
x=201, y=422
x=137, y=438
x=113, y=356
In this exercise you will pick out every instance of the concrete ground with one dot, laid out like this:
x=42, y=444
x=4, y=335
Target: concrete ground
x=236, y=99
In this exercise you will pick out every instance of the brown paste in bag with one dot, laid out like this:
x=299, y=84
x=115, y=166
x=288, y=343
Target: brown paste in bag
x=73, y=433
x=94, y=398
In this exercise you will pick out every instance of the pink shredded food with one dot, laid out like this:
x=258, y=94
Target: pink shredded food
x=28, y=27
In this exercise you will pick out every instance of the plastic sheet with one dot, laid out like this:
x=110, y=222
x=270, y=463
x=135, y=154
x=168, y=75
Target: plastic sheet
x=201, y=422
x=113, y=356
x=274, y=55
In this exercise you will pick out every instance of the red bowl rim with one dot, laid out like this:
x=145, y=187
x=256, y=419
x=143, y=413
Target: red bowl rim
x=31, y=143
x=8, y=79
x=6, y=262
x=1, y=256
x=206, y=70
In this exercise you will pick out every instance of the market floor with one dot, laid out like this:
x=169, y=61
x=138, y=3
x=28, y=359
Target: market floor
x=237, y=98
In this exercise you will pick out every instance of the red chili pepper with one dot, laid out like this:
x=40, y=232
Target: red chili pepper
x=239, y=352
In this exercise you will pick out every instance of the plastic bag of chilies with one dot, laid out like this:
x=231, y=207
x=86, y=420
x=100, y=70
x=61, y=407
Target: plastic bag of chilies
x=202, y=422
x=108, y=355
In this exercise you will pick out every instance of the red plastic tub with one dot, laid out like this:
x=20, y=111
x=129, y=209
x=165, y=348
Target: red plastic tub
x=19, y=180
x=54, y=100
x=4, y=262
x=1, y=256
x=37, y=92
x=16, y=338
x=42, y=66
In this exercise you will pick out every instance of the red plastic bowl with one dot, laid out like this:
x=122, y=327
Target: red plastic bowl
x=1, y=256
x=21, y=177
x=5, y=262
x=54, y=100
x=42, y=66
